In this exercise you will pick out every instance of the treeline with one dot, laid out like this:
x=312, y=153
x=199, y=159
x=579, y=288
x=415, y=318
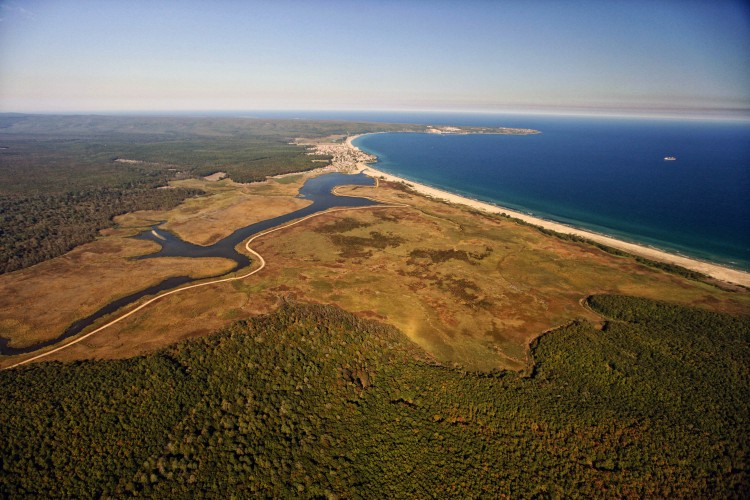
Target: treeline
x=56, y=194
x=247, y=159
x=36, y=228
x=174, y=127
x=312, y=401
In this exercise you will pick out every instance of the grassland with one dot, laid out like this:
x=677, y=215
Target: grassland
x=472, y=290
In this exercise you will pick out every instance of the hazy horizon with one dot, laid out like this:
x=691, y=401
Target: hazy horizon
x=739, y=116
x=659, y=58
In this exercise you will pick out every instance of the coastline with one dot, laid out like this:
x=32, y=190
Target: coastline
x=715, y=271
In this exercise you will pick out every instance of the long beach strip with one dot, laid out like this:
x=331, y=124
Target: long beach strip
x=714, y=270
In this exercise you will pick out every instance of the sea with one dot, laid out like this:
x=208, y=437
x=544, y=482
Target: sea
x=605, y=174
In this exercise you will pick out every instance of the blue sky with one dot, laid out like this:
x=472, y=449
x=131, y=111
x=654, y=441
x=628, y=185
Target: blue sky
x=100, y=56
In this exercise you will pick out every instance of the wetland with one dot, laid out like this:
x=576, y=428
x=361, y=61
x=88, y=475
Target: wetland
x=318, y=190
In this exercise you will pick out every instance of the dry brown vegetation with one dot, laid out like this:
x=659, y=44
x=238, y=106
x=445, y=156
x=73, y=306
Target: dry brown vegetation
x=232, y=206
x=469, y=288
x=38, y=303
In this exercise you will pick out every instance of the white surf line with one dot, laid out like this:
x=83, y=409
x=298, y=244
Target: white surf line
x=224, y=280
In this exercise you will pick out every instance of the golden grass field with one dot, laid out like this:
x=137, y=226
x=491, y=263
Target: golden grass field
x=38, y=303
x=471, y=289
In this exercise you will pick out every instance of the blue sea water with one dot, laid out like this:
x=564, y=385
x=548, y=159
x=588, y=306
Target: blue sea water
x=603, y=174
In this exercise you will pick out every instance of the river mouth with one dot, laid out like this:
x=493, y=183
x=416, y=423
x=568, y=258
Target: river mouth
x=319, y=190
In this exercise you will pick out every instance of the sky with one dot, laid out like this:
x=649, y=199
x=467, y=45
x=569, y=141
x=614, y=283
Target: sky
x=222, y=55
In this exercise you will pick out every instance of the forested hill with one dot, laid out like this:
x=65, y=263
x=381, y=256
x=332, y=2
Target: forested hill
x=311, y=401
x=63, y=178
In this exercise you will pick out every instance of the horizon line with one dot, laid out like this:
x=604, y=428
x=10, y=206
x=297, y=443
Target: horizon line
x=712, y=114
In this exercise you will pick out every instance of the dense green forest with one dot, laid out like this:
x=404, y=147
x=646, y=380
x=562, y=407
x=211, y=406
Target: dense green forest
x=312, y=401
x=60, y=181
x=53, y=199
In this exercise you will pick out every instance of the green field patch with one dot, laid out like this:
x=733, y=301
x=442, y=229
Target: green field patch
x=438, y=256
x=322, y=285
x=342, y=226
x=233, y=314
x=358, y=246
x=288, y=179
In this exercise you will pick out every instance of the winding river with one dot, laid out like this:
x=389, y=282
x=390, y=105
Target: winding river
x=318, y=190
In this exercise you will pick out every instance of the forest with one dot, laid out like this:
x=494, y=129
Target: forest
x=63, y=178
x=312, y=401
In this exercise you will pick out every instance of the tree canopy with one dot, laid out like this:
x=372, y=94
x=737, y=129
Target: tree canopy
x=313, y=401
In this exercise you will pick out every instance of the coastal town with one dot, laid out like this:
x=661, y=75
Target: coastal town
x=344, y=157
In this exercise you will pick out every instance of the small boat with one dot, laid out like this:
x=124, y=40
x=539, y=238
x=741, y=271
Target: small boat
x=670, y=158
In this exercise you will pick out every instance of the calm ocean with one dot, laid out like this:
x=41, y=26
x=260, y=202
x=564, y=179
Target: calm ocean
x=603, y=174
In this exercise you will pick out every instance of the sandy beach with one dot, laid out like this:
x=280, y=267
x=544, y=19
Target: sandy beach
x=714, y=270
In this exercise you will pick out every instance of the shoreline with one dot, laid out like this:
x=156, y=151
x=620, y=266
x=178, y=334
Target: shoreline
x=715, y=271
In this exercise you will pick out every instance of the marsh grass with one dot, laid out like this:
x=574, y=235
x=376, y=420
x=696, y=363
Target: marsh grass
x=469, y=289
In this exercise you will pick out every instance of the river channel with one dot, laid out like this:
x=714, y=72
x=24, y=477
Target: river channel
x=318, y=190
